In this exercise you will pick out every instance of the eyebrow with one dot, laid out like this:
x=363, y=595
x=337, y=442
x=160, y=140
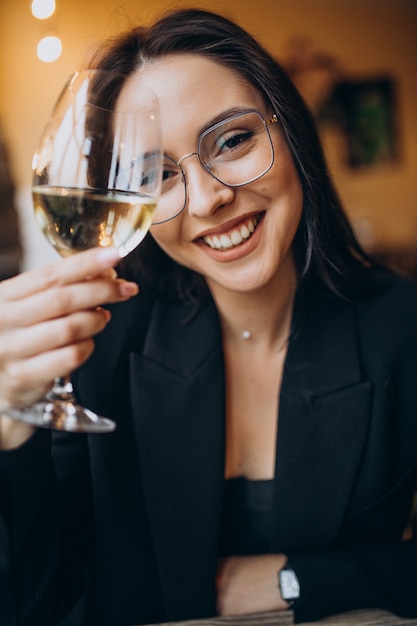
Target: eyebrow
x=224, y=115
x=220, y=117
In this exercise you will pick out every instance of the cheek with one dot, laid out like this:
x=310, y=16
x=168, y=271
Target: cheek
x=295, y=211
x=287, y=188
x=162, y=236
x=168, y=237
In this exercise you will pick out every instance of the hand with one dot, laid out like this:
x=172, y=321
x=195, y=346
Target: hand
x=13, y=433
x=48, y=317
x=249, y=584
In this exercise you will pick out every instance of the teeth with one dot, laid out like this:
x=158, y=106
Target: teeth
x=235, y=238
x=225, y=242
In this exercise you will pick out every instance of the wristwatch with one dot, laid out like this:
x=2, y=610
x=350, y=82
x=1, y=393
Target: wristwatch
x=288, y=584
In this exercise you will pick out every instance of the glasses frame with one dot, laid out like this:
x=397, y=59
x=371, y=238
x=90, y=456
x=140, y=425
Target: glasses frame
x=273, y=119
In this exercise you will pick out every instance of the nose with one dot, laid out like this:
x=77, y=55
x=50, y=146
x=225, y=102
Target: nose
x=205, y=194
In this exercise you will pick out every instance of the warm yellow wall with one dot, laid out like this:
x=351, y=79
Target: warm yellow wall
x=368, y=36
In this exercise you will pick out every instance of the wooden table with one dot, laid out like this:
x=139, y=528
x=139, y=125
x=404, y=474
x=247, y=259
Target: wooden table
x=285, y=618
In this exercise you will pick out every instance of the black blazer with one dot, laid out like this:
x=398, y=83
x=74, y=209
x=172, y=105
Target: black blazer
x=145, y=501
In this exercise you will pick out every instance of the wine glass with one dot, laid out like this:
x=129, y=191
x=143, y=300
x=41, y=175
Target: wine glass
x=96, y=180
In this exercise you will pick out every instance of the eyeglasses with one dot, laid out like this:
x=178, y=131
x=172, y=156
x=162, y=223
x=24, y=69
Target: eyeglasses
x=236, y=151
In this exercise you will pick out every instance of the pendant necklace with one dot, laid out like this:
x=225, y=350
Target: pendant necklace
x=246, y=335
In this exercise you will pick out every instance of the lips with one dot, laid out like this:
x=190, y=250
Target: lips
x=234, y=237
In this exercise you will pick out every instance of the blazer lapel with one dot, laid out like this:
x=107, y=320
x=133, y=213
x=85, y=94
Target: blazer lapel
x=177, y=398
x=177, y=385
x=324, y=413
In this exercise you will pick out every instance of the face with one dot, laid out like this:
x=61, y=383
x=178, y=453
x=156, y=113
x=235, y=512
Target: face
x=194, y=93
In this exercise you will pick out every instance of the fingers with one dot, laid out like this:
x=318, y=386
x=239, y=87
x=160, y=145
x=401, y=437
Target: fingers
x=54, y=334
x=24, y=381
x=62, y=300
x=48, y=317
x=31, y=358
x=84, y=281
x=108, y=273
x=73, y=269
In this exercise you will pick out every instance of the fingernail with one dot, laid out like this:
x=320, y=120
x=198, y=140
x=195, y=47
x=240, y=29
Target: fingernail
x=127, y=290
x=107, y=315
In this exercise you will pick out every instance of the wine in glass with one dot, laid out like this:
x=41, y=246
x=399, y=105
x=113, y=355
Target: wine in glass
x=96, y=181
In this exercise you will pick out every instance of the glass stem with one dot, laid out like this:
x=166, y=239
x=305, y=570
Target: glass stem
x=61, y=390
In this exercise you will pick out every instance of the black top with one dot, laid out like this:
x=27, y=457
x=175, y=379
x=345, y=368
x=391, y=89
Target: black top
x=346, y=469
x=247, y=509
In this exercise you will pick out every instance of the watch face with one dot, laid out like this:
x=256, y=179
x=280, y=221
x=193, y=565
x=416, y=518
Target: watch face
x=289, y=585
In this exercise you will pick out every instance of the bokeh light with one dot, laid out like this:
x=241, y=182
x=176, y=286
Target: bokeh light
x=49, y=49
x=42, y=9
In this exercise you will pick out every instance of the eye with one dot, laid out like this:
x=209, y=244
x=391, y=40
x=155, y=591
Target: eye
x=234, y=140
x=231, y=144
x=148, y=170
x=170, y=174
x=148, y=179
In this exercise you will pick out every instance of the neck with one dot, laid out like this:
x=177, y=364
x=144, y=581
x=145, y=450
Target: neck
x=261, y=317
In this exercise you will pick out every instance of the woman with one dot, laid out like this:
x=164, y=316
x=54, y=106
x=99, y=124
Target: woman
x=263, y=380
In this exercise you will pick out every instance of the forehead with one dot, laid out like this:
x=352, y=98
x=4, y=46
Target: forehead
x=193, y=89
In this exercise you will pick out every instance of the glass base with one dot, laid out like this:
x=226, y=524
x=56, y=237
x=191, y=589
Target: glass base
x=62, y=415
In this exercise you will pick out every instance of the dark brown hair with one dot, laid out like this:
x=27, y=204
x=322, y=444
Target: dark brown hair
x=326, y=250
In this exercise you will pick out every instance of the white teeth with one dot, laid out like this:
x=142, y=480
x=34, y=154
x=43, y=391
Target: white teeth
x=245, y=232
x=236, y=236
x=225, y=242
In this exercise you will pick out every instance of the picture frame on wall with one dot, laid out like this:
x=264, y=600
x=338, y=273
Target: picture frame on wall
x=366, y=111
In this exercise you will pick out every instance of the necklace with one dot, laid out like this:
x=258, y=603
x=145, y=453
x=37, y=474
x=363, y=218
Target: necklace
x=246, y=335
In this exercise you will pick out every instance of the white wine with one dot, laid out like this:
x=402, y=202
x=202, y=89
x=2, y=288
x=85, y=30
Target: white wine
x=76, y=219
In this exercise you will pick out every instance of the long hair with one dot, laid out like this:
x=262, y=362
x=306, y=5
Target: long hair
x=325, y=248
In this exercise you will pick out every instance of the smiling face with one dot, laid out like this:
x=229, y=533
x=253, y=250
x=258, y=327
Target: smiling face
x=238, y=238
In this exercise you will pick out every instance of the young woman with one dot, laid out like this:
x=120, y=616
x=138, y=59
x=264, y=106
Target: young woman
x=263, y=379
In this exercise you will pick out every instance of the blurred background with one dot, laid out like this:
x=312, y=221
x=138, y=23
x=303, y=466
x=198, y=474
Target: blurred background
x=354, y=61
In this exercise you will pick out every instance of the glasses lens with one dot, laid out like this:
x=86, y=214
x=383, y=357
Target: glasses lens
x=173, y=192
x=238, y=150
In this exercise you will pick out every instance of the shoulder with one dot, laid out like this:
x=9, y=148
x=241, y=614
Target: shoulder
x=375, y=293
x=390, y=301
x=382, y=312
x=386, y=325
